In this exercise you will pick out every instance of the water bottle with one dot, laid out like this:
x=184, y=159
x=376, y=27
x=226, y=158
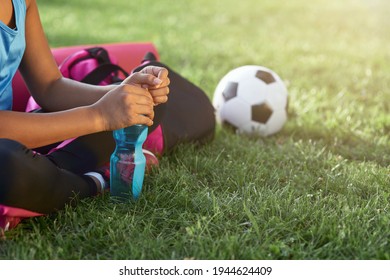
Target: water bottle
x=127, y=163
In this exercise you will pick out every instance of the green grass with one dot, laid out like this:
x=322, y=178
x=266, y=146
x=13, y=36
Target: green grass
x=319, y=189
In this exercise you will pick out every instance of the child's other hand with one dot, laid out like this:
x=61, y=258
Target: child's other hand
x=153, y=78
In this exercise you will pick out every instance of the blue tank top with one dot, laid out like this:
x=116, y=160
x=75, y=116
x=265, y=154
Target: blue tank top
x=12, y=46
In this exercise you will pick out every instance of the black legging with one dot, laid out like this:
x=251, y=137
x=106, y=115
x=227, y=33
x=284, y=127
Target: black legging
x=45, y=183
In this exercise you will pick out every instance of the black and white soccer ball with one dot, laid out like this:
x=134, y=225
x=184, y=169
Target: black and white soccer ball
x=252, y=99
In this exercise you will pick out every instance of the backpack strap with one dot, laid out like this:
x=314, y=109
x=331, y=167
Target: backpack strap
x=103, y=71
x=100, y=54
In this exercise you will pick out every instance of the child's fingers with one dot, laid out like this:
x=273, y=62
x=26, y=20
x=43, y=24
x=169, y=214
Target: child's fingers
x=162, y=74
x=160, y=99
x=159, y=72
x=159, y=91
x=143, y=79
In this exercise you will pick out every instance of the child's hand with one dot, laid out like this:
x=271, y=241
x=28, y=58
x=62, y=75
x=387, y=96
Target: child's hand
x=153, y=78
x=123, y=106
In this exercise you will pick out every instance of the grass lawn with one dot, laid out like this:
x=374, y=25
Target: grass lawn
x=319, y=189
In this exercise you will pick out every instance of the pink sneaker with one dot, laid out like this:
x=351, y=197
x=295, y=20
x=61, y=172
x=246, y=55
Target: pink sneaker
x=151, y=160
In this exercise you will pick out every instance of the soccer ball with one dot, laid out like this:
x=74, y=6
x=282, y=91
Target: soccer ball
x=251, y=99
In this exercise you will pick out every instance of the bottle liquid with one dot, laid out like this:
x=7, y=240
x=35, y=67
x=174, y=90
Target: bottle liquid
x=127, y=163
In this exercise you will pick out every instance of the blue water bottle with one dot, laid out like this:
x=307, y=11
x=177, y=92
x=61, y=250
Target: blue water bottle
x=127, y=163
